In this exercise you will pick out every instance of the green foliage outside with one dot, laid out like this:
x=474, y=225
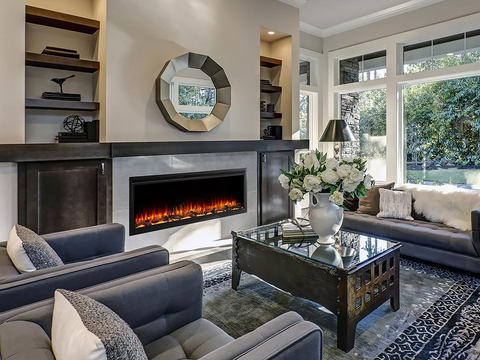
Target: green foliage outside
x=304, y=107
x=196, y=95
x=442, y=125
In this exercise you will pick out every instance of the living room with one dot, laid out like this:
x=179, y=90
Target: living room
x=142, y=186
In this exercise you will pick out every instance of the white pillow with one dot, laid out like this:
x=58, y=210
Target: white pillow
x=29, y=251
x=84, y=329
x=395, y=204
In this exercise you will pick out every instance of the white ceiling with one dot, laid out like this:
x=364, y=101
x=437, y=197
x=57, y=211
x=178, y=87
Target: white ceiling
x=328, y=17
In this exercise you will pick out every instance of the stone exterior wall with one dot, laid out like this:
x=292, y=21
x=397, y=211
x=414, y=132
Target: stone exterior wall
x=351, y=113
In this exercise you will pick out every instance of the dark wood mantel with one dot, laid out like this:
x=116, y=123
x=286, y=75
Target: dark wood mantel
x=51, y=152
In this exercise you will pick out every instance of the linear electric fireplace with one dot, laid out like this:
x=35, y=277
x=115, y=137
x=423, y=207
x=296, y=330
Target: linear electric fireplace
x=164, y=201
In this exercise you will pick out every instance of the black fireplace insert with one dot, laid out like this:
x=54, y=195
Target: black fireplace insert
x=163, y=201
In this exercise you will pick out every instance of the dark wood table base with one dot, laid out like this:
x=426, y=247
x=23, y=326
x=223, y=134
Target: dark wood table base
x=350, y=294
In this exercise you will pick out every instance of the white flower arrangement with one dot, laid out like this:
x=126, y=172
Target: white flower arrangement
x=315, y=173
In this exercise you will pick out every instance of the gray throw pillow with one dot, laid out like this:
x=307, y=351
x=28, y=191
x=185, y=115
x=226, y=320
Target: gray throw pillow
x=29, y=251
x=83, y=328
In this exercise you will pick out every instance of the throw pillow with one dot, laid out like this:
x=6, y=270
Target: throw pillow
x=395, y=204
x=369, y=204
x=84, y=329
x=29, y=251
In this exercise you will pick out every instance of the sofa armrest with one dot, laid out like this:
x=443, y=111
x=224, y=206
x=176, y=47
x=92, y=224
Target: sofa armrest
x=87, y=243
x=41, y=284
x=476, y=229
x=285, y=337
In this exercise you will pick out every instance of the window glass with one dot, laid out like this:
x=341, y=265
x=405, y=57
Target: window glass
x=448, y=51
x=304, y=72
x=442, y=132
x=472, y=53
x=363, y=68
x=366, y=114
x=304, y=116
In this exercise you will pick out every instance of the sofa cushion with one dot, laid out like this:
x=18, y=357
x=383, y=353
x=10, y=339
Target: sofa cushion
x=29, y=252
x=191, y=341
x=419, y=232
x=7, y=269
x=34, y=342
x=369, y=204
x=83, y=328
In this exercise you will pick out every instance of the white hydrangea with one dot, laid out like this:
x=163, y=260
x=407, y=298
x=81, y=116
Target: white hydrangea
x=312, y=183
x=336, y=198
x=310, y=160
x=331, y=163
x=356, y=175
x=344, y=171
x=296, y=195
x=283, y=181
x=367, y=182
x=330, y=176
x=349, y=185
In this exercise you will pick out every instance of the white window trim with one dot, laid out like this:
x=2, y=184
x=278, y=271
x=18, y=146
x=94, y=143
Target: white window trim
x=315, y=91
x=395, y=80
x=190, y=82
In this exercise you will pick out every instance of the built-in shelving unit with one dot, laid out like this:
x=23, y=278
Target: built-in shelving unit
x=59, y=20
x=269, y=62
x=61, y=105
x=270, y=115
x=270, y=89
x=61, y=63
x=54, y=111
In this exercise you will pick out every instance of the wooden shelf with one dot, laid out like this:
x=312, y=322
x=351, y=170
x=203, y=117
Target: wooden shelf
x=269, y=62
x=59, y=20
x=270, y=115
x=62, y=63
x=270, y=89
x=61, y=105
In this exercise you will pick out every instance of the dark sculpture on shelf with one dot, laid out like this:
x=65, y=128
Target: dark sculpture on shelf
x=60, y=81
x=61, y=95
x=74, y=123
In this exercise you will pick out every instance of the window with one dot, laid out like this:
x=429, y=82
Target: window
x=305, y=105
x=441, y=53
x=363, y=68
x=193, y=98
x=304, y=72
x=366, y=114
x=442, y=132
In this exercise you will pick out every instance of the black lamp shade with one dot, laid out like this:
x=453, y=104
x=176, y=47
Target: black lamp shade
x=337, y=131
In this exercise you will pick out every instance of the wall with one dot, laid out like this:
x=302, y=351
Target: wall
x=143, y=35
x=429, y=15
x=311, y=42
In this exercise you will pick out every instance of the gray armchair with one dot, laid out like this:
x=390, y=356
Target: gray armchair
x=164, y=308
x=91, y=256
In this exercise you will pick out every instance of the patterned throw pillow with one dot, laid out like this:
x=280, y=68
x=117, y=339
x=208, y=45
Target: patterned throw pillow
x=84, y=329
x=395, y=204
x=29, y=251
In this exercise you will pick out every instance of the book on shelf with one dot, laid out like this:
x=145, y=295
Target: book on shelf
x=61, y=53
x=61, y=96
x=55, y=48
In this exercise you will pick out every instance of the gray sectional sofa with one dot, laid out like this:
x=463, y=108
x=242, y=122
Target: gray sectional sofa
x=163, y=306
x=91, y=255
x=424, y=240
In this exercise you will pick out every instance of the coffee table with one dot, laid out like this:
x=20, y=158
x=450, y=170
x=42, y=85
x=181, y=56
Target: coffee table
x=351, y=288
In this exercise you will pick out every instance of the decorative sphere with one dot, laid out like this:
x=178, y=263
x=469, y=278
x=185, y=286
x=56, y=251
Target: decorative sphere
x=74, y=123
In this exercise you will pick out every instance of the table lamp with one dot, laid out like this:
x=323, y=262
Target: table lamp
x=337, y=131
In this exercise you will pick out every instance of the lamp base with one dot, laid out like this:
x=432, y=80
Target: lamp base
x=336, y=148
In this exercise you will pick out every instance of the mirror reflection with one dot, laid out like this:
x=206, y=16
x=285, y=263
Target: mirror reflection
x=192, y=93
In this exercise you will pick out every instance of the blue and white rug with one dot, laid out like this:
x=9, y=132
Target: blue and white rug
x=439, y=316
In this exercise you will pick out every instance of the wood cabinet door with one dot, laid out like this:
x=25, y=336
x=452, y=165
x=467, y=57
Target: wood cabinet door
x=64, y=195
x=274, y=204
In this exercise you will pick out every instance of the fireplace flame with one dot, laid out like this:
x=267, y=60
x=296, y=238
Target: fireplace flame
x=187, y=210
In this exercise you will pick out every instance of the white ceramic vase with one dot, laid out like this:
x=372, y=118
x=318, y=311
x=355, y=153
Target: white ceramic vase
x=325, y=217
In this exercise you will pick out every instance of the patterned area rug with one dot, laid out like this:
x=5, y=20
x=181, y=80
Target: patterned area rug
x=439, y=316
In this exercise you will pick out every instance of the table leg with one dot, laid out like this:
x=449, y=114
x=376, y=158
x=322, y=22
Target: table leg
x=236, y=274
x=345, y=333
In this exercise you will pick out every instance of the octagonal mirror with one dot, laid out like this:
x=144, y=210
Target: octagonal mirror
x=193, y=92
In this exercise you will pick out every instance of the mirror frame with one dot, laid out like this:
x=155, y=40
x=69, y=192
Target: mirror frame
x=219, y=79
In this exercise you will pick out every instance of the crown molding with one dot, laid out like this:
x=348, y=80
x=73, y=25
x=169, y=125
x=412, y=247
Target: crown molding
x=365, y=20
x=310, y=29
x=296, y=3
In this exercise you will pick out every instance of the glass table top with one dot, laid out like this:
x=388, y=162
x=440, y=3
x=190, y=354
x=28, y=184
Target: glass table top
x=350, y=249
